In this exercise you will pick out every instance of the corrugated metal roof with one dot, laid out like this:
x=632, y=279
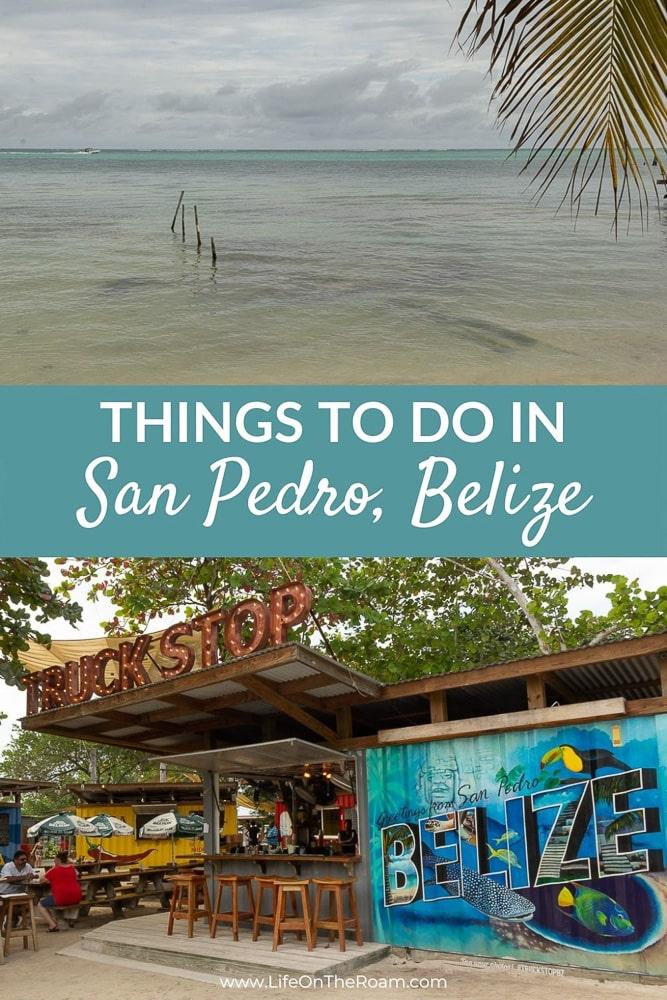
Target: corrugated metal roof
x=215, y=690
x=330, y=691
x=256, y=758
x=638, y=677
x=632, y=667
x=288, y=672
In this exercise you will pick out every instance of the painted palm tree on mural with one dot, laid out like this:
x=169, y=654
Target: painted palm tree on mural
x=581, y=84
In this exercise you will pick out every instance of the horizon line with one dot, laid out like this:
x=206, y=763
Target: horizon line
x=261, y=149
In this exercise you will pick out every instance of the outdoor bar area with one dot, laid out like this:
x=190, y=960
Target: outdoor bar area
x=510, y=812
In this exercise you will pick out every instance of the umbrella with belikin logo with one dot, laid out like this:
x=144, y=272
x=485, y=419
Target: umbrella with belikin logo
x=173, y=824
x=62, y=825
x=170, y=825
x=110, y=826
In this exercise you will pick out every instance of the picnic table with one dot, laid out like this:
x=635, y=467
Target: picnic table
x=116, y=889
x=84, y=867
x=124, y=889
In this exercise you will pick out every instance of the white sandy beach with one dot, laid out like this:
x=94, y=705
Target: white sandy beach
x=47, y=975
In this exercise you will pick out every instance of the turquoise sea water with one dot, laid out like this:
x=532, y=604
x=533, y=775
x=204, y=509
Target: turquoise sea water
x=332, y=267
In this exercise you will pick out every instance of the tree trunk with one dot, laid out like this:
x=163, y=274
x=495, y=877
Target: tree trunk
x=517, y=593
x=92, y=765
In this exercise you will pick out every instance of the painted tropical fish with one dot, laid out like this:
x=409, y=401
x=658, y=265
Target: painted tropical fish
x=506, y=837
x=505, y=855
x=484, y=894
x=582, y=761
x=596, y=912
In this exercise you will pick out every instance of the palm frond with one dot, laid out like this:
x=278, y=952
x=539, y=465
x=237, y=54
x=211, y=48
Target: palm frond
x=581, y=83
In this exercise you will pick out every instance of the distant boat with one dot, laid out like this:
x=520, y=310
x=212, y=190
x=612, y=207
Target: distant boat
x=89, y=150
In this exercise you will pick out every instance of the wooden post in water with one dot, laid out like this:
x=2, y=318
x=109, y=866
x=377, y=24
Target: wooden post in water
x=197, y=228
x=173, y=221
x=183, y=222
x=214, y=255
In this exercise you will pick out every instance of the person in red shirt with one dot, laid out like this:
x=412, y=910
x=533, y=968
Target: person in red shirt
x=65, y=889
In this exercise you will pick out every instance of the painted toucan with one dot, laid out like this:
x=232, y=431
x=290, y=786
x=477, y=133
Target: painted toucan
x=582, y=761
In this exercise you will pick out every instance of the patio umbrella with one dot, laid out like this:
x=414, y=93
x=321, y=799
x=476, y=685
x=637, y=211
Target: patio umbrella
x=110, y=826
x=172, y=824
x=61, y=825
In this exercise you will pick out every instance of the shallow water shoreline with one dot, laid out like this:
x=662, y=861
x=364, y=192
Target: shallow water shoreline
x=333, y=267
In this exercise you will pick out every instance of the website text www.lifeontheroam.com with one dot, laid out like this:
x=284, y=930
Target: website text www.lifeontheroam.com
x=330, y=981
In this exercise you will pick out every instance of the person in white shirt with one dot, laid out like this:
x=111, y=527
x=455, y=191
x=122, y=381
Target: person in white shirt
x=16, y=875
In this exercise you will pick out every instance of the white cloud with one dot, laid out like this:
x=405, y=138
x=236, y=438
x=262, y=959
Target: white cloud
x=238, y=73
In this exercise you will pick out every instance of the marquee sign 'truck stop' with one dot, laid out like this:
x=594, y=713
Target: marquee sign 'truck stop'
x=243, y=628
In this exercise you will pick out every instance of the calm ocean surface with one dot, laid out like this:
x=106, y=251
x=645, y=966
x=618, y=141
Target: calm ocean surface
x=332, y=267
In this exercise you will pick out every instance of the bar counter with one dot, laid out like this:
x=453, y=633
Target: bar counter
x=306, y=865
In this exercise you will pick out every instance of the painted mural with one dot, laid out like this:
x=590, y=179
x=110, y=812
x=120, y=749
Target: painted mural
x=545, y=846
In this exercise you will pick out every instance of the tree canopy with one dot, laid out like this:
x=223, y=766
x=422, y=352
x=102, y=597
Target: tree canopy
x=390, y=617
x=68, y=762
x=27, y=601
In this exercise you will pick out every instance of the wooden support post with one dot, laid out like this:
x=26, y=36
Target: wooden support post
x=662, y=660
x=438, y=704
x=197, y=228
x=344, y=722
x=535, y=691
x=214, y=255
x=173, y=221
x=183, y=222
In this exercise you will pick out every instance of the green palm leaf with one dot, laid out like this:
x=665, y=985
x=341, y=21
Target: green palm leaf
x=582, y=85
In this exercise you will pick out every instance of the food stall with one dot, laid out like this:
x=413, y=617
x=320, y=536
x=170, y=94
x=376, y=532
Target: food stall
x=314, y=790
x=496, y=807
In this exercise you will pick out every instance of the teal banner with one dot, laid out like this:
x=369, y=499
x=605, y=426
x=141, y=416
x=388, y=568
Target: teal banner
x=333, y=470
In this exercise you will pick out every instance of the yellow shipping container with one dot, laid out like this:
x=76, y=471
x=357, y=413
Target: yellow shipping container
x=162, y=852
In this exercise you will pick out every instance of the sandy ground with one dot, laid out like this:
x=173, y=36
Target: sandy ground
x=44, y=975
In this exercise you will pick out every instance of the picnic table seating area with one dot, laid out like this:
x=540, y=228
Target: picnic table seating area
x=117, y=889
x=125, y=889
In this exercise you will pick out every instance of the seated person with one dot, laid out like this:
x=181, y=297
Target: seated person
x=65, y=890
x=16, y=875
x=347, y=838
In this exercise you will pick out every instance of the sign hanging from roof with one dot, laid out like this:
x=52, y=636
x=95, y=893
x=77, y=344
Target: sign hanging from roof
x=241, y=629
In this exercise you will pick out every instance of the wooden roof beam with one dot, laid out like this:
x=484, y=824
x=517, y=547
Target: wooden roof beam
x=234, y=670
x=309, y=683
x=610, y=708
x=268, y=693
x=207, y=705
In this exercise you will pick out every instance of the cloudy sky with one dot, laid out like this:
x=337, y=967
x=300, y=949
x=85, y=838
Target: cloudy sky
x=239, y=74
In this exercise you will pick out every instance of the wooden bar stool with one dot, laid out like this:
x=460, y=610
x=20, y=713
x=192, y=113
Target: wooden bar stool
x=336, y=921
x=189, y=901
x=19, y=905
x=234, y=883
x=265, y=885
x=298, y=921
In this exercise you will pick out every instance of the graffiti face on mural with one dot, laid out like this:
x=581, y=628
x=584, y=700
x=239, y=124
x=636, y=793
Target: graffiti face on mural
x=438, y=782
